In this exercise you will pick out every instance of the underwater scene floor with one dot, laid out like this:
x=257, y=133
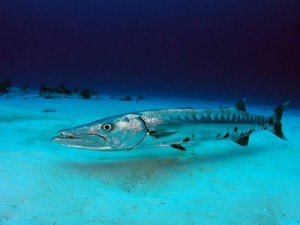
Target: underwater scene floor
x=42, y=182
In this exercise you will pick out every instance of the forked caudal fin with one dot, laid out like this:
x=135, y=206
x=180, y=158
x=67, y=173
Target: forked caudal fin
x=275, y=120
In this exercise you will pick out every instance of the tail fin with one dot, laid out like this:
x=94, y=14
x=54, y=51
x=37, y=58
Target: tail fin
x=276, y=119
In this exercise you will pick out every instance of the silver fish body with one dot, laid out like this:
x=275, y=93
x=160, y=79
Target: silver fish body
x=176, y=128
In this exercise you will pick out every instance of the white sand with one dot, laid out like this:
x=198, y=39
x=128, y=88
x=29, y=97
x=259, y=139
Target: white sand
x=42, y=182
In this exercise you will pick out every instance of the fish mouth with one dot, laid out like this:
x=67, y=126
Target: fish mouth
x=82, y=140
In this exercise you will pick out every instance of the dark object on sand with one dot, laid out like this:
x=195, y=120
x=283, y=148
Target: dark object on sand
x=140, y=98
x=76, y=89
x=127, y=98
x=25, y=87
x=86, y=94
x=48, y=110
x=4, y=86
x=54, y=92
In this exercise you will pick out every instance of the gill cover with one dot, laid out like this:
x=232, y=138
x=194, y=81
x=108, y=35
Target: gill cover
x=123, y=132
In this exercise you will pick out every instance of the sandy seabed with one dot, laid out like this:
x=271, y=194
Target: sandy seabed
x=42, y=182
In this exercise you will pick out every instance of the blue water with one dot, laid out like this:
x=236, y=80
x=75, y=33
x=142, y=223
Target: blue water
x=179, y=53
x=208, y=49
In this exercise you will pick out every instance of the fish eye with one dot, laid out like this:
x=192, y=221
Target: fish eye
x=106, y=127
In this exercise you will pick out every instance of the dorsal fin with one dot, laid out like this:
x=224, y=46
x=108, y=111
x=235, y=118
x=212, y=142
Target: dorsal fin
x=241, y=105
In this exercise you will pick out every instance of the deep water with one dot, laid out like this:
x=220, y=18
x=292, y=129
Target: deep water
x=208, y=49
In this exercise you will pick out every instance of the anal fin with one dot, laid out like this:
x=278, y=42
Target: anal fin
x=243, y=141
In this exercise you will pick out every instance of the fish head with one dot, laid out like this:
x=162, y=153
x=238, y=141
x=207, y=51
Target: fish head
x=114, y=133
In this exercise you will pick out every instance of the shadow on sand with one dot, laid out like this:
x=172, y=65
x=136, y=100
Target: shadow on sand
x=144, y=172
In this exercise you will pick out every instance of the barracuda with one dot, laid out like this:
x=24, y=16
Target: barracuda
x=176, y=128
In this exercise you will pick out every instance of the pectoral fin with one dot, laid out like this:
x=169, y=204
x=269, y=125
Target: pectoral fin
x=160, y=134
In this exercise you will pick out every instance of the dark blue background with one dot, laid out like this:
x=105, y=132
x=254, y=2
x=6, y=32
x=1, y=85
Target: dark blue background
x=203, y=49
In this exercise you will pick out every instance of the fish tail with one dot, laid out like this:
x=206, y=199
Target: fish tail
x=275, y=120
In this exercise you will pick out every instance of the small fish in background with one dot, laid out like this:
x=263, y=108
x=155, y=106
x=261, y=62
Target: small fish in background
x=176, y=128
x=49, y=110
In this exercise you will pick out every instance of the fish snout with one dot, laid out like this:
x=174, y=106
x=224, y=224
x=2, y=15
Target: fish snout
x=65, y=135
x=81, y=140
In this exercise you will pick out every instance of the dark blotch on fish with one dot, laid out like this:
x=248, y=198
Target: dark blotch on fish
x=218, y=136
x=186, y=140
x=226, y=135
x=235, y=129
